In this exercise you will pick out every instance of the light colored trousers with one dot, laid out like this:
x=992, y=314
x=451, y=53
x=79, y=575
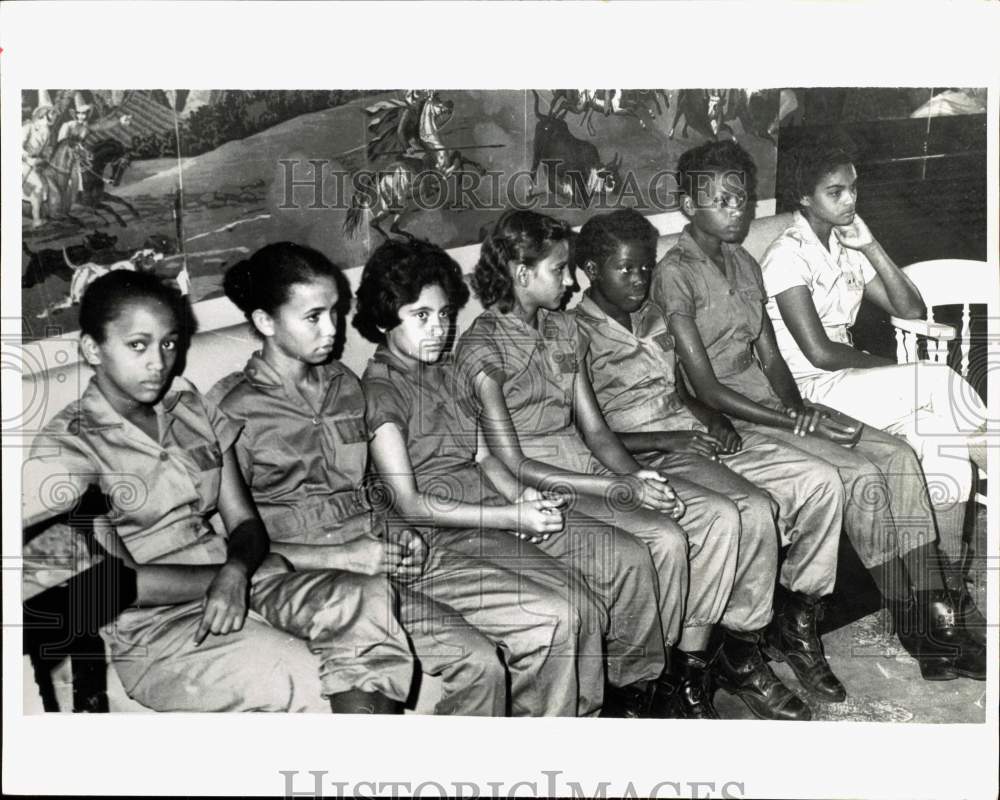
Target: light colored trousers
x=308, y=635
x=933, y=408
x=810, y=508
x=930, y=405
x=694, y=558
x=887, y=511
x=612, y=582
x=534, y=609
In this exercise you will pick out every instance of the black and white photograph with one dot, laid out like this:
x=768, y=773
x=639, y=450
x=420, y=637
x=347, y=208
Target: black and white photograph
x=669, y=407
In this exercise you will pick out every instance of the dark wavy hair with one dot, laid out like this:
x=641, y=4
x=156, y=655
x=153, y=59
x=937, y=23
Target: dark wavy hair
x=265, y=279
x=603, y=233
x=105, y=298
x=715, y=157
x=519, y=237
x=810, y=160
x=395, y=275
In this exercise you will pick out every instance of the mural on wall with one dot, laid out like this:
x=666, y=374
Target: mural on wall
x=185, y=183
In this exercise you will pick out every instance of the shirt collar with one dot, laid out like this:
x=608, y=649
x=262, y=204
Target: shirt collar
x=263, y=376
x=808, y=236
x=96, y=411
x=512, y=322
x=589, y=309
x=690, y=247
x=411, y=368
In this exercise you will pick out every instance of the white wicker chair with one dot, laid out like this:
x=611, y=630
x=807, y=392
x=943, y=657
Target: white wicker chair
x=945, y=282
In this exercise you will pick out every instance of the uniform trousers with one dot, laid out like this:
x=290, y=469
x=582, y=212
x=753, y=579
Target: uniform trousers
x=694, y=560
x=307, y=635
x=887, y=511
x=934, y=409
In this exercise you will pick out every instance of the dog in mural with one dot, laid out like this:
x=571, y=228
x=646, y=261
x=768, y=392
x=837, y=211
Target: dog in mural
x=573, y=166
x=419, y=164
x=99, y=262
x=49, y=262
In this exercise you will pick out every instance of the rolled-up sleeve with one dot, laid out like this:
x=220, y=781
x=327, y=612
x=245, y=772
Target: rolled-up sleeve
x=784, y=267
x=54, y=477
x=384, y=402
x=478, y=351
x=672, y=292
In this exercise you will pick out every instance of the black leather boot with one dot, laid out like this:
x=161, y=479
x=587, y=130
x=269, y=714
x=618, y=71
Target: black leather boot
x=355, y=701
x=684, y=690
x=741, y=670
x=937, y=614
x=912, y=627
x=629, y=702
x=792, y=637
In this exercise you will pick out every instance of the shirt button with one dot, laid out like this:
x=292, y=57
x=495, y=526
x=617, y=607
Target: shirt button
x=315, y=420
x=164, y=456
x=732, y=291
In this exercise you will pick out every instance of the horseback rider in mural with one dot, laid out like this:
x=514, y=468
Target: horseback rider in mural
x=53, y=172
x=406, y=132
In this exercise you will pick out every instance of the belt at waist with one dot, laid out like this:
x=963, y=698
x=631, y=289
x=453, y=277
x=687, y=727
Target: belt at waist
x=317, y=520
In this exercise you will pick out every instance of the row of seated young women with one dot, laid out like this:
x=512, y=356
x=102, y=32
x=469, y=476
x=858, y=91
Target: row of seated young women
x=568, y=513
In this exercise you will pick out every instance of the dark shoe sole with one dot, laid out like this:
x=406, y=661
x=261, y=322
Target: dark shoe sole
x=972, y=676
x=776, y=655
x=765, y=717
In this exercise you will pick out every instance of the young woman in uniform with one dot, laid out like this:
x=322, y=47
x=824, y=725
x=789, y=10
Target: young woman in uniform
x=217, y=623
x=424, y=448
x=304, y=452
x=710, y=294
x=519, y=369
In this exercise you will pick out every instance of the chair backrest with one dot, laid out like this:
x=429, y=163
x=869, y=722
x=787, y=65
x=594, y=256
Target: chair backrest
x=954, y=281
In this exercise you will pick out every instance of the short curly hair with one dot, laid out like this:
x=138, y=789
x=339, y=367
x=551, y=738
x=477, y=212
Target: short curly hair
x=602, y=233
x=395, y=275
x=725, y=156
x=809, y=161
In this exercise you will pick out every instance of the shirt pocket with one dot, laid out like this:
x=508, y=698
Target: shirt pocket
x=207, y=456
x=750, y=311
x=566, y=363
x=350, y=429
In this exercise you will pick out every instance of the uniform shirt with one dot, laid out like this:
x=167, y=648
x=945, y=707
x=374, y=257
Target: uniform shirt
x=727, y=309
x=441, y=441
x=537, y=369
x=305, y=467
x=835, y=278
x=161, y=492
x=632, y=372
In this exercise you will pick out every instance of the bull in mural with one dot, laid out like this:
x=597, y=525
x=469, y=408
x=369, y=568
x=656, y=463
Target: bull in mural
x=574, y=166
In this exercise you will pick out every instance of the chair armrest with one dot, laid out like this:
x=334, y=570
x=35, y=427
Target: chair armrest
x=921, y=327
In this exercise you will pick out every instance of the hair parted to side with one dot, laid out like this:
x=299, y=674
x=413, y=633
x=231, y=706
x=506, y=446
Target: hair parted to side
x=810, y=160
x=603, y=233
x=264, y=281
x=519, y=237
x=107, y=296
x=395, y=275
x=716, y=157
